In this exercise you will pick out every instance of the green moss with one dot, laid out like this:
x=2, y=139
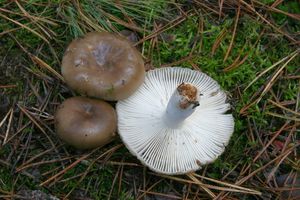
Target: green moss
x=6, y=178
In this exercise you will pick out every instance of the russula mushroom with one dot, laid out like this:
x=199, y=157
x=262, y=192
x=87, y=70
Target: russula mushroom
x=176, y=121
x=103, y=65
x=85, y=123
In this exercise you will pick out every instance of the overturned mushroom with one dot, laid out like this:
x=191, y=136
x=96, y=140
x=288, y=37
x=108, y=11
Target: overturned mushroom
x=103, y=65
x=176, y=121
x=85, y=123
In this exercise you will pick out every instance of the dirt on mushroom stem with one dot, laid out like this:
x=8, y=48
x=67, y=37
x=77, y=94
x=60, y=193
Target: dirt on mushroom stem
x=189, y=94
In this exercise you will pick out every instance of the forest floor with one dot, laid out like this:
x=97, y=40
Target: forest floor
x=250, y=47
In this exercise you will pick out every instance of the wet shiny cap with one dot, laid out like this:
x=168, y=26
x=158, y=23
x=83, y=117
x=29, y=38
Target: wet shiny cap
x=103, y=65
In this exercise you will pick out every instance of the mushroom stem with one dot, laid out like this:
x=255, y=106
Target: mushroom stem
x=181, y=105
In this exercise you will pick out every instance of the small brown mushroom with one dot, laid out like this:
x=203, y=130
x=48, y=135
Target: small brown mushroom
x=85, y=123
x=103, y=65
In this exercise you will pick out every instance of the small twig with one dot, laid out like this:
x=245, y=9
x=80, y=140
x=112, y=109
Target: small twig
x=5, y=117
x=35, y=122
x=67, y=168
x=270, y=141
x=218, y=40
x=268, y=86
x=225, y=184
x=185, y=59
x=171, y=24
x=25, y=27
x=7, y=86
x=220, y=8
x=114, y=182
x=8, y=126
x=148, y=190
x=234, y=31
x=267, y=22
x=266, y=70
x=41, y=163
x=223, y=195
x=283, y=117
x=169, y=196
x=108, y=152
x=41, y=63
x=284, y=108
x=209, y=192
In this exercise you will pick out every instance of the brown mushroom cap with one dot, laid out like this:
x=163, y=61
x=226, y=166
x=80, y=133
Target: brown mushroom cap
x=103, y=65
x=85, y=123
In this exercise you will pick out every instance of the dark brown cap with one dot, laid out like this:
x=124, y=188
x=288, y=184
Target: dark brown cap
x=85, y=123
x=103, y=65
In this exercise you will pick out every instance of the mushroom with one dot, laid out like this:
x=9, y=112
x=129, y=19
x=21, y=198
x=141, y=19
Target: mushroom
x=176, y=121
x=85, y=123
x=103, y=65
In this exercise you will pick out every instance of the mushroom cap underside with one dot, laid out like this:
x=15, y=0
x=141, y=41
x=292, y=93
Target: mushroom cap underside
x=199, y=140
x=103, y=65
